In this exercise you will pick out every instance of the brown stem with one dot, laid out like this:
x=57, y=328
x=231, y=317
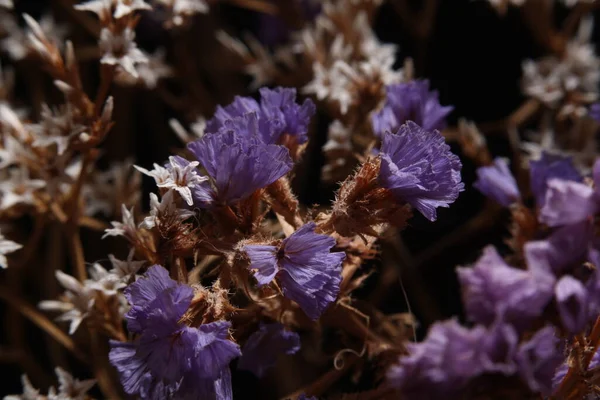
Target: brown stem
x=107, y=74
x=42, y=322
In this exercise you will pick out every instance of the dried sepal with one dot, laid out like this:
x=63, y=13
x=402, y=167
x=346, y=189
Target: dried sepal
x=361, y=205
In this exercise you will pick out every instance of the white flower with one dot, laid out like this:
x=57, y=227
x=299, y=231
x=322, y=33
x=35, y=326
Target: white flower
x=29, y=392
x=78, y=301
x=148, y=73
x=180, y=175
x=121, y=50
x=166, y=206
x=183, y=9
x=339, y=138
x=102, y=8
x=197, y=129
x=70, y=388
x=125, y=269
x=126, y=228
x=107, y=190
x=19, y=43
x=11, y=122
x=6, y=247
x=17, y=188
x=11, y=152
x=56, y=127
x=99, y=7
x=126, y=7
x=103, y=281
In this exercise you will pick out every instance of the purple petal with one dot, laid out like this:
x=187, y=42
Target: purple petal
x=418, y=167
x=567, y=202
x=538, y=359
x=548, y=167
x=566, y=247
x=498, y=183
x=263, y=262
x=572, y=301
x=493, y=290
x=410, y=101
x=310, y=273
x=264, y=346
x=239, y=165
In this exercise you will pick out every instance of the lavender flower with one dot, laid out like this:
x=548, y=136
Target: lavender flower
x=537, y=360
x=594, y=112
x=418, y=167
x=548, y=167
x=567, y=246
x=410, y=101
x=568, y=202
x=500, y=347
x=278, y=114
x=264, y=347
x=169, y=358
x=497, y=182
x=237, y=162
x=493, y=290
x=307, y=271
x=439, y=366
x=572, y=301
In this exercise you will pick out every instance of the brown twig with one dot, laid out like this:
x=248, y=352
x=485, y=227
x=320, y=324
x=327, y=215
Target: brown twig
x=42, y=322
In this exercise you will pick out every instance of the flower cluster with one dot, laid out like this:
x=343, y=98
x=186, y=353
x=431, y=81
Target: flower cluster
x=508, y=304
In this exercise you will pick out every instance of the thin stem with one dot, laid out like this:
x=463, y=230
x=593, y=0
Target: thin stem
x=42, y=322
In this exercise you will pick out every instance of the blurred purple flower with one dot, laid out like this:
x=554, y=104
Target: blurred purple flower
x=418, y=167
x=499, y=347
x=410, y=101
x=238, y=164
x=497, y=182
x=538, y=359
x=568, y=202
x=170, y=358
x=264, y=347
x=277, y=114
x=572, y=302
x=492, y=290
x=439, y=366
x=548, y=167
x=594, y=111
x=307, y=271
x=566, y=247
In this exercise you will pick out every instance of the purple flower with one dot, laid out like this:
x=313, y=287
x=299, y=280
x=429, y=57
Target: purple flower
x=537, y=360
x=594, y=111
x=548, y=167
x=237, y=162
x=439, y=366
x=279, y=104
x=277, y=114
x=568, y=202
x=497, y=182
x=264, y=347
x=566, y=247
x=307, y=271
x=572, y=301
x=410, y=101
x=170, y=358
x=492, y=290
x=499, y=348
x=418, y=167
